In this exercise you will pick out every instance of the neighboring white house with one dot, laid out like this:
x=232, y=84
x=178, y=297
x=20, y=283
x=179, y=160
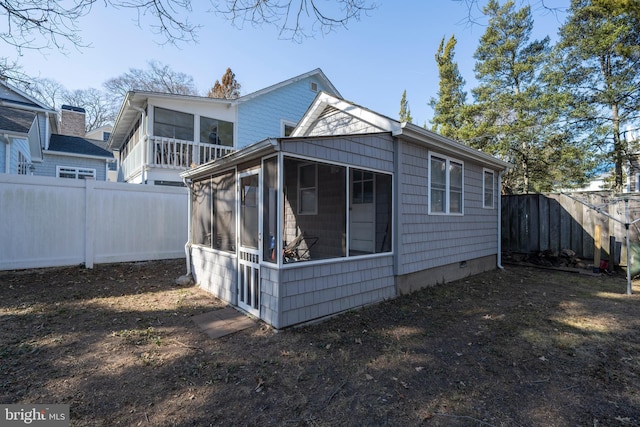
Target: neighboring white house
x=160, y=135
x=103, y=133
x=351, y=209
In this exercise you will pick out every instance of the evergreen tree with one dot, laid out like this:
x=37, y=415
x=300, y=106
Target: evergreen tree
x=405, y=111
x=449, y=107
x=228, y=89
x=514, y=114
x=598, y=65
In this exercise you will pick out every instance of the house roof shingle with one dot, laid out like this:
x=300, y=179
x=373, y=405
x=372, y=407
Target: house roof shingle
x=78, y=145
x=13, y=120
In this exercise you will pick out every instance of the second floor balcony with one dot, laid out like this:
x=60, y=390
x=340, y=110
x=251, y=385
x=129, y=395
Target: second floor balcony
x=169, y=153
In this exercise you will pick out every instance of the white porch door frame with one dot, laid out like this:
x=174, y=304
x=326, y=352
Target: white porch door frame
x=249, y=244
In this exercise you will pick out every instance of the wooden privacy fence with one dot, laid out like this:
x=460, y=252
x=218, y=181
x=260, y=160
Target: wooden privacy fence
x=50, y=222
x=538, y=222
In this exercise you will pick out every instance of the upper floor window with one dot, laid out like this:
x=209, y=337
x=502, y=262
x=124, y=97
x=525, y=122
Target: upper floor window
x=213, y=131
x=173, y=124
x=488, y=184
x=446, y=192
x=287, y=127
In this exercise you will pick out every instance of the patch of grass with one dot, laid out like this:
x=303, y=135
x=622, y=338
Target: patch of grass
x=140, y=336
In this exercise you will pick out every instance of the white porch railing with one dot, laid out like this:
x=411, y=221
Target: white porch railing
x=171, y=153
x=132, y=162
x=180, y=154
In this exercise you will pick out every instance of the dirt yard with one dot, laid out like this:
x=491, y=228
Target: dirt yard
x=519, y=347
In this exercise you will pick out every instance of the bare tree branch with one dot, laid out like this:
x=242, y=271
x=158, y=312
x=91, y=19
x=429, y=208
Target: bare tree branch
x=295, y=19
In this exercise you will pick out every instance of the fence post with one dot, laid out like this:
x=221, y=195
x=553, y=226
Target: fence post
x=89, y=222
x=597, y=249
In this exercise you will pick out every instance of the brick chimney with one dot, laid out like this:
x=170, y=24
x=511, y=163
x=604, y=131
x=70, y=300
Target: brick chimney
x=72, y=121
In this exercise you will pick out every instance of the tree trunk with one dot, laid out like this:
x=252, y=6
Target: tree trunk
x=618, y=149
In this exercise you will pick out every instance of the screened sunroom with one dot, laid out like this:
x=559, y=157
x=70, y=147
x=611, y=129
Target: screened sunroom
x=288, y=232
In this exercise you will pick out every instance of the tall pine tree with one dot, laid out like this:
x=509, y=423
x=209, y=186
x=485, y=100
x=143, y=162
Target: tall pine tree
x=598, y=64
x=405, y=111
x=449, y=106
x=514, y=112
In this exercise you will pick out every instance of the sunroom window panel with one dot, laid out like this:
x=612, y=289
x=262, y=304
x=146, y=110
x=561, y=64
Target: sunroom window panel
x=208, y=130
x=270, y=210
x=224, y=212
x=225, y=133
x=173, y=124
x=321, y=235
x=201, y=213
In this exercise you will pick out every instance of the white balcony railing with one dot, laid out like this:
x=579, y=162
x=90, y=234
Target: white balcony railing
x=171, y=154
x=180, y=154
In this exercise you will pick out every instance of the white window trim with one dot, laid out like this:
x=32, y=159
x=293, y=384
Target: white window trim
x=80, y=173
x=283, y=123
x=637, y=182
x=315, y=188
x=493, y=189
x=447, y=192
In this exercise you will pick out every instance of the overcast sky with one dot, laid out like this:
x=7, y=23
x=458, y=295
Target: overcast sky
x=370, y=63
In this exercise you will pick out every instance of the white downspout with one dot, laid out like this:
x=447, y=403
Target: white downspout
x=499, y=254
x=187, y=246
x=47, y=131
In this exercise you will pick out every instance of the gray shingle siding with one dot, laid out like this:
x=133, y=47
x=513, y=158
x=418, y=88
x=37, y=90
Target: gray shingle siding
x=428, y=241
x=335, y=122
x=311, y=291
x=374, y=151
x=217, y=273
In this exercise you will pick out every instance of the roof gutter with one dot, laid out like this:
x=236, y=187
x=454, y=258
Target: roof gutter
x=250, y=152
x=25, y=107
x=422, y=135
x=84, y=156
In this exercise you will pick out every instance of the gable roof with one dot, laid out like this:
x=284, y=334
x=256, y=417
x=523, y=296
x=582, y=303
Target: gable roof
x=13, y=120
x=136, y=100
x=79, y=146
x=317, y=73
x=27, y=101
x=369, y=121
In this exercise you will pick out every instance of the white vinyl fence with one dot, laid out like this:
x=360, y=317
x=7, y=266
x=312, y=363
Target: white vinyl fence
x=49, y=222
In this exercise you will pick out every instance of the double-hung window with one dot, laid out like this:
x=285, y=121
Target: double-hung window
x=308, y=189
x=446, y=189
x=488, y=185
